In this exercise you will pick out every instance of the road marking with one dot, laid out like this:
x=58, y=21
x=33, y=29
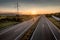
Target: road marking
x=52, y=31
x=8, y=29
x=35, y=31
x=53, y=25
x=43, y=25
x=13, y=27
x=24, y=30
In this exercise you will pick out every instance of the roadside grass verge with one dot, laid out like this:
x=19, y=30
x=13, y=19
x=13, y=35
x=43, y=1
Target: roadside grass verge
x=54, y=21
x=7, y=24
x=7, y=21
x=27, y=35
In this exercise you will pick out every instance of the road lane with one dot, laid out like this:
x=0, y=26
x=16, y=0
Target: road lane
x=13, y=32
x=53, y=28
x=43, y=31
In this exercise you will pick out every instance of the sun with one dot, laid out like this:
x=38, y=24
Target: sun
x=34, y=12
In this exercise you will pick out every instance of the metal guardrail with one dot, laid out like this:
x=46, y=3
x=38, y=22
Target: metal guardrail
x=58, y=19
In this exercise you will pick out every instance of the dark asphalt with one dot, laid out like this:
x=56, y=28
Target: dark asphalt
x=14, y=32
x=45, y=30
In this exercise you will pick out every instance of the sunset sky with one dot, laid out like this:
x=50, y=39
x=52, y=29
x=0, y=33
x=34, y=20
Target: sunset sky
x=36, y=6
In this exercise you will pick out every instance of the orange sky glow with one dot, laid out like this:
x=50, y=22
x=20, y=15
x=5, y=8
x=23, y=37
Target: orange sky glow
x=30, y=7
x=33, y=11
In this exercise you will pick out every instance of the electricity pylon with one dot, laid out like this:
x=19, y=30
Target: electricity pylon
x=17, y=6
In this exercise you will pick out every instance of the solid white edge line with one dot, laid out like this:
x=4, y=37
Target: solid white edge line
x=52, y=31
x=8, y=29
x=34, y=31
x=24, y=31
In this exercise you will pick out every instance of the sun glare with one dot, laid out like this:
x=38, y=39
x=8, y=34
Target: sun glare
x=34, y=12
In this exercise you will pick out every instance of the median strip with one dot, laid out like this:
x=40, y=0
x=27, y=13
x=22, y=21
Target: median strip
x=27, y=35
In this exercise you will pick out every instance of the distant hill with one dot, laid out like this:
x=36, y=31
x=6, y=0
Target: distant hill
x=8, y=14
x=55, y=14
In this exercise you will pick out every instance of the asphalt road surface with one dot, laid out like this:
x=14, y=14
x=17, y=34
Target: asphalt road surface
x=45, y=30
x=15, y=32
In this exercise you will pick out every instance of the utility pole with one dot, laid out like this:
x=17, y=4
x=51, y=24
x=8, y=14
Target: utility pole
x=17, y=6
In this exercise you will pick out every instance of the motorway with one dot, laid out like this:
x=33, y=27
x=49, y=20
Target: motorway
x=45, y=30
x=16, y=31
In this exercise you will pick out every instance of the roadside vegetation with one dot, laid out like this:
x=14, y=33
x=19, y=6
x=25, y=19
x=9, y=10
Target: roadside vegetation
x=54, y=21
x=27, y=35
x=9, y=20
x=7, y=24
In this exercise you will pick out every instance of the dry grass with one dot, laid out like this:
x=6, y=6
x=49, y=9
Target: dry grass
x=29, y=33
x=6, y=24
x=57, y=23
